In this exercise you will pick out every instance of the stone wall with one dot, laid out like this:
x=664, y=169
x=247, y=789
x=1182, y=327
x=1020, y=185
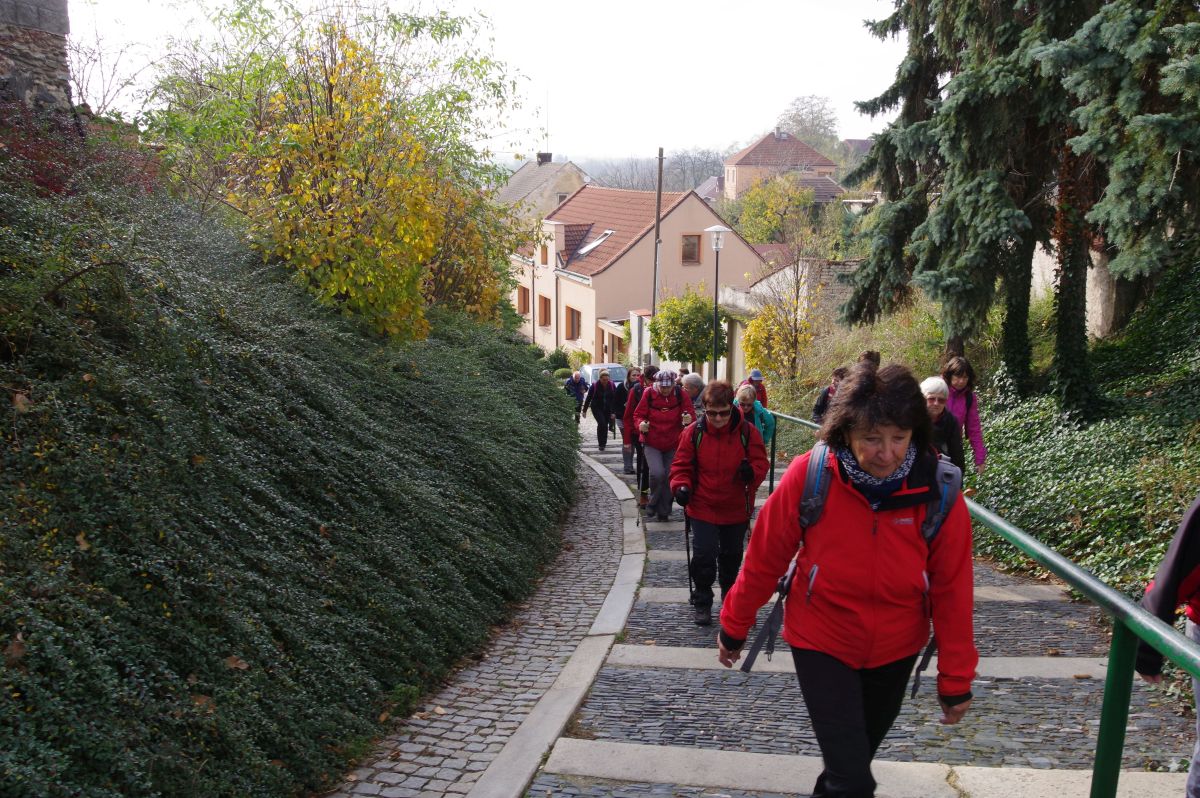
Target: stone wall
x=33, y=53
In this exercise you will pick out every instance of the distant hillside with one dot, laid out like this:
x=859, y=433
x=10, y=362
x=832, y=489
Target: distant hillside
x=236, y=531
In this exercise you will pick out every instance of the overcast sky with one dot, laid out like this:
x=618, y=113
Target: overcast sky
x=624, y=77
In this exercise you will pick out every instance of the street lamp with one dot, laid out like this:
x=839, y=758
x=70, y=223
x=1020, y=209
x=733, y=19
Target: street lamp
x=718, y=240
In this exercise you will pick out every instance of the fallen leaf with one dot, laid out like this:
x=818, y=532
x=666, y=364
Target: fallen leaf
x=324, y=530
x=1054, y=652
x=14, y=651
x=383, y=716
x=203, y=701
x=82, y=542
x=21, y=402
x=352, y=777
x=277, y=763
x=192, y=678
x=439, y=711
x=236, y=662
x=198, y=459
x=1083, y=676
x=88, y=378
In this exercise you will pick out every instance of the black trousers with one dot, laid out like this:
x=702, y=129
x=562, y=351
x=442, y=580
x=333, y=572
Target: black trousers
x=716, y=552
x=851, y=712
x=643, y=488
x=602, y=422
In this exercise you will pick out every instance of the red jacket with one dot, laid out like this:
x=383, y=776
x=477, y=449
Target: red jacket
x=629, y=434
x=665, y=414
x=720, y=498
x=865, y=580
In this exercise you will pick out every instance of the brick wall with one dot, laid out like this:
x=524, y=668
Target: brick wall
x=33, y=53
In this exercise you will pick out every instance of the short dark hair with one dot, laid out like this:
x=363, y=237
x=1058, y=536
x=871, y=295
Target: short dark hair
x=649, y=372
x=870, y=356
x=717, y=392
x=840, y=372
x=872, y=396
x=959, y=366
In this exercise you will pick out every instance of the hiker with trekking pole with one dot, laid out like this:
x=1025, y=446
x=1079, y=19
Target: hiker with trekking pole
x=881, y=540
x=719, y=463
x=661, y=414
x=634, y=437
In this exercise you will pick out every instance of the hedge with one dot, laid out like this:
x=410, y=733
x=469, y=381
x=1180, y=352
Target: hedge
x=237, y=532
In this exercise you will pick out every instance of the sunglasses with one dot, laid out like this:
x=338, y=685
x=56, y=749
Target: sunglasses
x=718, y=413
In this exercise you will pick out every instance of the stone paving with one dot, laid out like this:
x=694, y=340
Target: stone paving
x=1027, y=722
x=443, y=748
x=552, y=786
x=1022, y=722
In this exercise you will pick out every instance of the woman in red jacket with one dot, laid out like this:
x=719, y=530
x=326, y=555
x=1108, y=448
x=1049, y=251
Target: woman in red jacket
x=720, y=462
x=662, y=413
x=867, y=583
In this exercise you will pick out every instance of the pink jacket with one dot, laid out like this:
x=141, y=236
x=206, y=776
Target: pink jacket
x=956, y=403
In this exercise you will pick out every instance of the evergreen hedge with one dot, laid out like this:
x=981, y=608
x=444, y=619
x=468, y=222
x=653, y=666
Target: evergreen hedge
x=236, y=532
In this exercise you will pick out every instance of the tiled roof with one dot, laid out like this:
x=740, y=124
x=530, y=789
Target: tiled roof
x=629, y=214
x=527, y=179
x=780, y=151
x=858, y=147
x=710, y=189
x=824, y=189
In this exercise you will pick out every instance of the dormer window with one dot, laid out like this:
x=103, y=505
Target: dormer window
x=600, y=240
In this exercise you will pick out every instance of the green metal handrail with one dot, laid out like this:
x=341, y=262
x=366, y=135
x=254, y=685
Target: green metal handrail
x=1130, y=623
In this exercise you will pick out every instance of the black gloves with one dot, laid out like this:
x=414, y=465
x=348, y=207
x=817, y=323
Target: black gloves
x=683, y=495
x=745, y=472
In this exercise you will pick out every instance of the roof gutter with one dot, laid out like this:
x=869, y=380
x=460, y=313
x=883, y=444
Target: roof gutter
x=579, y=278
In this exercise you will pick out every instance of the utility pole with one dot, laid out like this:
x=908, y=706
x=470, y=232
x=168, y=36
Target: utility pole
x=657, y=243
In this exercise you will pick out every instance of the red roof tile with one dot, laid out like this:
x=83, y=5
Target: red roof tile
x=629, y=214
x=780, y=151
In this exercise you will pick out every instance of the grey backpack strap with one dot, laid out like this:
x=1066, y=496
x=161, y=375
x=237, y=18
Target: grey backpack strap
x=816, y=485
x=817, y=478
x=949, y=482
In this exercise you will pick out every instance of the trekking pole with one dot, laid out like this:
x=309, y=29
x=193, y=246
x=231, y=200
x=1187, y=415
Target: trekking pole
x=641, y=497
x=687, y=547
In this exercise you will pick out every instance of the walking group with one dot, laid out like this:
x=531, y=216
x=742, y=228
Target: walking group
x=867, y=535
x=869, y=527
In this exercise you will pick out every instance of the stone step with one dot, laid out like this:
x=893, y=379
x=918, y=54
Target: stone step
x=660, y=766
x=1019, y=595
x=683, y=657
x=1030, y=722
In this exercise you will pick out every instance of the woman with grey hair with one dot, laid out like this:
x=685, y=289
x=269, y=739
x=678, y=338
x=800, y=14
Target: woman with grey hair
x=693, y=383
x=947, y=436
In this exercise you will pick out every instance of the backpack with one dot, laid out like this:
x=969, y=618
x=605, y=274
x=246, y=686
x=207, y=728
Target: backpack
x=817, y=479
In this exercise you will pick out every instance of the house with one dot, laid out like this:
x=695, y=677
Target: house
x=776, y=153
x=594, y=264
x=711, y=189
x=540, y=186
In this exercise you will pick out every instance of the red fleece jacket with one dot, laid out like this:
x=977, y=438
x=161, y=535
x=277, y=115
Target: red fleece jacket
x=665, y=414
x=720, y=498
x=866, y=581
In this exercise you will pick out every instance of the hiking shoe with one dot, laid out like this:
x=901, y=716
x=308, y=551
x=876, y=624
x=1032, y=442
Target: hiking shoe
x=629, y=471
x=703, y=616
x=662, y=517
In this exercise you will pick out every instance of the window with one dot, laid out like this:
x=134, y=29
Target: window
x=545, y=255
x=562, y=198
x=522, y=300
x=691, y=249
x=574, y=324
x=543, y=310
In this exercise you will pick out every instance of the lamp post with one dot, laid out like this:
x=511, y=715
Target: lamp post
x=718, y=234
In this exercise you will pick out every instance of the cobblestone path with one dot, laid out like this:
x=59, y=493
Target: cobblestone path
x=662, y=719
x=444, y=747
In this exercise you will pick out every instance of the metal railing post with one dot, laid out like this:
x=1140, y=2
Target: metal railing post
x=774, y=435
x=1114, y=715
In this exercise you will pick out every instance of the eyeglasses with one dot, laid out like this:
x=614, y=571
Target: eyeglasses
x=935, y=400
x=718, y=413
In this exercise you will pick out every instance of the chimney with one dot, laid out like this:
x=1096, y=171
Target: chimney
x=544, y=158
